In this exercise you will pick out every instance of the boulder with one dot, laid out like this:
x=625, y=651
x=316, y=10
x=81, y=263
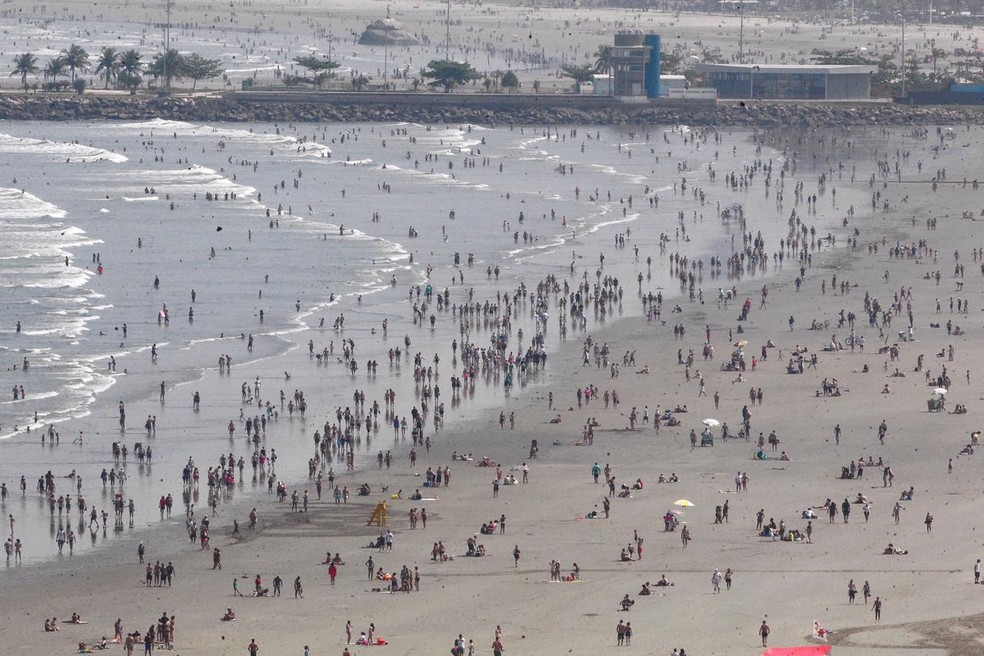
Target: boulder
x=387, y=32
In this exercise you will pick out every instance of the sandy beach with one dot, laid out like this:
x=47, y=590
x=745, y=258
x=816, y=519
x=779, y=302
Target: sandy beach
x=900, y=206
x=927, y=593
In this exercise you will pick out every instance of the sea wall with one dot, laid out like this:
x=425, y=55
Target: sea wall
x=486, y=109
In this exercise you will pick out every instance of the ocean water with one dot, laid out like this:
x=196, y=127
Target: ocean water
x=293, y=223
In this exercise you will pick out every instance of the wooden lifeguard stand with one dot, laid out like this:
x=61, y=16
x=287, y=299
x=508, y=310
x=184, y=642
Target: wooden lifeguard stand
x=378, y=516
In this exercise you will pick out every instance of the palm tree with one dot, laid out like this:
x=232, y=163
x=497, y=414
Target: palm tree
x=54, y=68
x=109, y=64
x=167, y=67
x=77, y=59
x=130, y=68
x=603, y=59
x=25, y=64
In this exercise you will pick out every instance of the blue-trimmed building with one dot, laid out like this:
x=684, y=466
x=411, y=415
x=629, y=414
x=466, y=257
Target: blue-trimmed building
x=788, y=82
x=635, y=62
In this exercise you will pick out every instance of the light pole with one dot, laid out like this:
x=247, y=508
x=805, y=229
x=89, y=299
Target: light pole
x=447, y=36
x=167, y=45
x=903, y=55
x=741, y=32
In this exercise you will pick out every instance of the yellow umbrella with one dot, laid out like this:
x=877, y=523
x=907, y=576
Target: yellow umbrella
x=684, y=503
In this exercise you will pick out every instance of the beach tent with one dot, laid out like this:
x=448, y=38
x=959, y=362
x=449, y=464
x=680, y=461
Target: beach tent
x=812, y=650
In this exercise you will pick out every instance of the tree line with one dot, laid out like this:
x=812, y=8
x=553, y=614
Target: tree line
x=118, y=70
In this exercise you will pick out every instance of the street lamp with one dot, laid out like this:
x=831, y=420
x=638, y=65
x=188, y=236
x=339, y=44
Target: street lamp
x=741, y=32
x=167, y=44
x=903, y=55
x=447, y=36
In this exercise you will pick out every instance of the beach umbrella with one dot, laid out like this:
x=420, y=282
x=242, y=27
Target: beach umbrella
x=683, y=503
x=711, y=423
x=811, y=650
x=939, y=391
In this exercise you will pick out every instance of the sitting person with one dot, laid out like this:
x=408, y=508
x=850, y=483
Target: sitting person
x=555, y=420
x=861, y=498
x=907, y=495
x=959, y=409
x=480, y=551
x=364, y=490
x=363, y=640
x=644, y=370
x=646, y=589
x=673, y=478
x=892, y=550
x=637, y=485
x=809, y=514
x=76, y=619
x=624, y=557
x=381, y=575
x=783, y=456
x=626, y=603
x=625, y=492
x=48, y=627
x=663, y=582
x=761, y=455
x=485, y=529
x=229, y=615
x=967, y=450
x=662, y=479
x=416, y=496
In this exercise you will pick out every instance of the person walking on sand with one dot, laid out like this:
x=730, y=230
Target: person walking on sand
x=716, y=581
x=253, y=648
x=877, y=607
x=977, y=571
x=866, y=592
x=764, y=632
x=685, y=536
x=929, y=523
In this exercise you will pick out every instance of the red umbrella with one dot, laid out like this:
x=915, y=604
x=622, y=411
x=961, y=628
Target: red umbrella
x=812, y=650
